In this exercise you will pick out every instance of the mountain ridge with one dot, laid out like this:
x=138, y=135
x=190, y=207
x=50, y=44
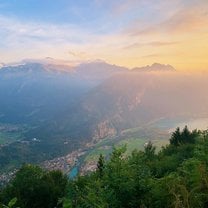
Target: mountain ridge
x=155, y=67
x=90, y=66
x=64, y=111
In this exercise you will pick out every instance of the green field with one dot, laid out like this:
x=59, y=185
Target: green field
x=10, y=133
x=132, y=138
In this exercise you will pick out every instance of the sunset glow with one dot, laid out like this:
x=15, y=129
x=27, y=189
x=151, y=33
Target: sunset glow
x=124, y=32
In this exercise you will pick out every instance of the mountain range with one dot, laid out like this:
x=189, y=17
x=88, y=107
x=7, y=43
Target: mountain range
x=59, y=108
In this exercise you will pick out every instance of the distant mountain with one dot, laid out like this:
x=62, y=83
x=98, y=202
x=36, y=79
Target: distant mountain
x=33, y=92
x=37, y=93
x=98, y=70
x=94, y=94
x=64, y=107
x=130, y=100
x=35, y=97
x=155, y=67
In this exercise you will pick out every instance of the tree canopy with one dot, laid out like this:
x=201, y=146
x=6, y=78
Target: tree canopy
x=174, y=177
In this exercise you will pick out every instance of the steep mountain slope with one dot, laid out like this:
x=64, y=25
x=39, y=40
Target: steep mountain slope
x=35, y=92
x=59, y=111
x=133, y=99
x=35, y=97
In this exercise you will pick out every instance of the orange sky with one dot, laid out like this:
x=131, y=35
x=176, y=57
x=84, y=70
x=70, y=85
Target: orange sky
x=125, y=32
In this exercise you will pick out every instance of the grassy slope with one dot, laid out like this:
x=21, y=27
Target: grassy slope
x=132, y=138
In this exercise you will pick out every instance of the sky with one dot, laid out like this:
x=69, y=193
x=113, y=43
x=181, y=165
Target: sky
x=124, y=32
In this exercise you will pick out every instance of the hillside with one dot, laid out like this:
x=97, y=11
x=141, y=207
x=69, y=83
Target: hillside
x=49, y=110
x=130, y=100
x=176, y=176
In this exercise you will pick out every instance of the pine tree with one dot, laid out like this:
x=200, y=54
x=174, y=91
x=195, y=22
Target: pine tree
x=176, y=137
x=149, y=150
x=101, y=165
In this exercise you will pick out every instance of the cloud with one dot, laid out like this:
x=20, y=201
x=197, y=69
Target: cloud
x=185, y=20
x=77, y=54
x=39, y=31
x=27, y=39
x=115, y=10
x=122, y=6
x=23, y=39
x=154, y=55
x=152, y=44
x=121, y=32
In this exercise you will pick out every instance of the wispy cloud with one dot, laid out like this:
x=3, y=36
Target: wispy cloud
x=39, y=31
x=154, y=55
x=27, y=39
x=124, y=32
x=78, y=54
x=152, y=44
x=185, y=20
x=40, y=39
x=121, y=7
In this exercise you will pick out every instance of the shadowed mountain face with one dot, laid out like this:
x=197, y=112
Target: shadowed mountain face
x=66, y=107
x=130, y=100
x=36, y=92
x=30, y=93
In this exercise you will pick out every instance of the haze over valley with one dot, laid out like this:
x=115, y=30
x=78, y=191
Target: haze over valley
x=103, y=104
x=49, y=110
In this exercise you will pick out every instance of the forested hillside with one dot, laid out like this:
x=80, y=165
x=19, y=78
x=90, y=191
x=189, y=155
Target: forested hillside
x=176, y=176
x=49, y=111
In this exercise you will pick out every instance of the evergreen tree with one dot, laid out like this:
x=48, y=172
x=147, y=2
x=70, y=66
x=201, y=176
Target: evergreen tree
x=101, y=166
x=149, y=150
x=176, y=137
x=175, y=177
x=35, y=188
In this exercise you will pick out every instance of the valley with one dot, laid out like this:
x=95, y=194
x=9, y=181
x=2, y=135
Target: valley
x=103, y=104
x=85, y=159
x=10, y=133
x=64, y=117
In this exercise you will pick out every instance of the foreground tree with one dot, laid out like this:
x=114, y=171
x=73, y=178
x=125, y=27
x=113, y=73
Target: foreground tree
x=176, y=177
x=101, y=166
x=183, y=137
x=35, y=188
